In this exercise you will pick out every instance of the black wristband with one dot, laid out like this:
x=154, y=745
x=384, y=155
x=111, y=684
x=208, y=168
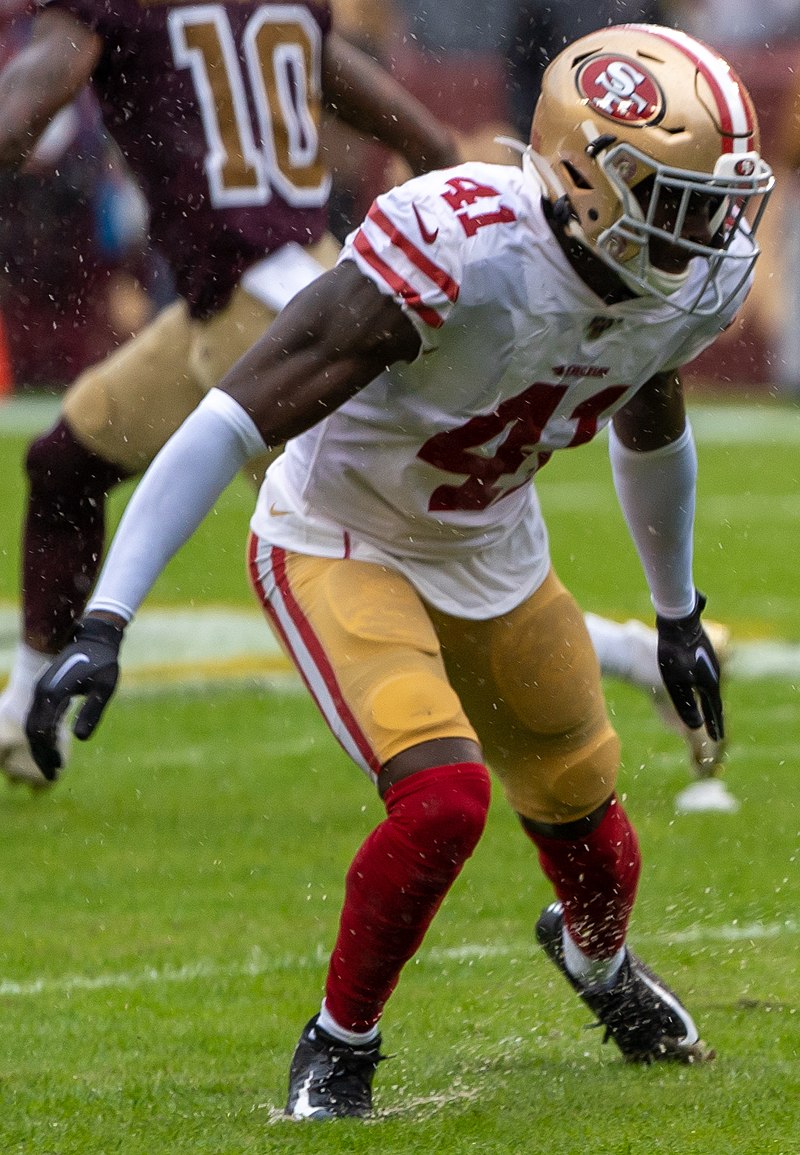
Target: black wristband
x=94, y=629
x=678, y=628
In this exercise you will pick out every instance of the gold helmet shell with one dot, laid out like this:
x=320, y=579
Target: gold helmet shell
x=634, y=103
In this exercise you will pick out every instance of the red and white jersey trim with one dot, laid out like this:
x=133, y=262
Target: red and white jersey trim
x=387, y=245
x=267, y=566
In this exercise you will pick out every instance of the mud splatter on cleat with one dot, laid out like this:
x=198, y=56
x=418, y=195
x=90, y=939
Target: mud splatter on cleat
x=645, y=1019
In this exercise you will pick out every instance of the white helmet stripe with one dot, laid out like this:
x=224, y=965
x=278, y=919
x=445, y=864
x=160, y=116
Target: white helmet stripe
x=734, y=113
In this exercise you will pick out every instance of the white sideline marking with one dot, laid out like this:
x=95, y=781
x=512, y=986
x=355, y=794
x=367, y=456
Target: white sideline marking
x=221, y=643
x=181, y=644
x=260, y=964
x=763, y=422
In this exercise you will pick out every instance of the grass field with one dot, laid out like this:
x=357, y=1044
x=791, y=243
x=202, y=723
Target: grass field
x=167, y=910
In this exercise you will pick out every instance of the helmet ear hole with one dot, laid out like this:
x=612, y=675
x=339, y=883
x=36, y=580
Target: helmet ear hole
x=562, y=211
x=577, y=178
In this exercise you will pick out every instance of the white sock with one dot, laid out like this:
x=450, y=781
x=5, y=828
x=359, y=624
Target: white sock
x=354, y=1038
x=18, y=694
x=626, y=650
x=591, y=973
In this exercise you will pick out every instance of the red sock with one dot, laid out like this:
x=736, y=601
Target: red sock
x=595, y=877
x=397, y=882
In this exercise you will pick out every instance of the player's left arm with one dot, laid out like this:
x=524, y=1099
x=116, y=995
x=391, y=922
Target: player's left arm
x=364, y=95
x=654, y=462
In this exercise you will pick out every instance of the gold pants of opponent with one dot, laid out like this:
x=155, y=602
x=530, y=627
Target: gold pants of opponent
x=126, y=407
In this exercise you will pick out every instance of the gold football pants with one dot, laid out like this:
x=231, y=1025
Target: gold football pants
x=389, y=672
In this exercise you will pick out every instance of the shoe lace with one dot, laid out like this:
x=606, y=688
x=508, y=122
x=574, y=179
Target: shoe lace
x=633, y=1016
x=350, y=1069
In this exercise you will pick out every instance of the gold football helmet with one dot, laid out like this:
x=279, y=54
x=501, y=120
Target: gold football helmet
x=634, y=124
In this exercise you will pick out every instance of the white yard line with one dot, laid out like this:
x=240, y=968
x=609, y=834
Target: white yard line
x=170, y=645
x=765, y=421
x=217, y=644
x=260, y=963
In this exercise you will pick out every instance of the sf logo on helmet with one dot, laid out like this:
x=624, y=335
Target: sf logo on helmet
x=620, y=90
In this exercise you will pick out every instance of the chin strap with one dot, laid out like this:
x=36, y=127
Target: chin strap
x=646, y=276
x=542, y=174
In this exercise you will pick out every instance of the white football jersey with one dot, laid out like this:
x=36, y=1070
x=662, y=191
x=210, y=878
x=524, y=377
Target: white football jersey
x=429, y=468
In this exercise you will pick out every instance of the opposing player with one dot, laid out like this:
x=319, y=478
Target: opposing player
x=398, y=547
x=216, y=108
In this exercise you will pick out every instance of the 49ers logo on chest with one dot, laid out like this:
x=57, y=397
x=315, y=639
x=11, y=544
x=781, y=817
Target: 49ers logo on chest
x=620, y=89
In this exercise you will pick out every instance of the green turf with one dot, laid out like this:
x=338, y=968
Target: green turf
x=167, y=910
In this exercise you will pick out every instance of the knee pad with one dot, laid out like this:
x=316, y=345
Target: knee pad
x=386, y=654
x=564, y=787
x=413, y=706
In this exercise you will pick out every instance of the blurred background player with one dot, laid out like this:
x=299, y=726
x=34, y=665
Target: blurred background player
x=479, y=320
x=225, y=142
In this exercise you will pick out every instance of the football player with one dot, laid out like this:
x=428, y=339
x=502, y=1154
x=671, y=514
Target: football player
x=479, y=320
x=222, y=196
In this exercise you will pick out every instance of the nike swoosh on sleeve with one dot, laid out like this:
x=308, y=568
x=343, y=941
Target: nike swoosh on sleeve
x=427, y=235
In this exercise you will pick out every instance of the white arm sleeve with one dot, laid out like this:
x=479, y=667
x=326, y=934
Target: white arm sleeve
x=656, y=491
x=175, y=494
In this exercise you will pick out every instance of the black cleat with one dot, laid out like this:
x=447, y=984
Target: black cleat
x=645, y=1018
x=329, y=1079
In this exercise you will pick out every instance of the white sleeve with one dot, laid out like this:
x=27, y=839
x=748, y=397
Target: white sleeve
x=175, y=494
x=656, y=491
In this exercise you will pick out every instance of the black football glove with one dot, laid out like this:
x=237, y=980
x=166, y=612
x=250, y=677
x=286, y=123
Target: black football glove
x=88, y=666
x=690, y=670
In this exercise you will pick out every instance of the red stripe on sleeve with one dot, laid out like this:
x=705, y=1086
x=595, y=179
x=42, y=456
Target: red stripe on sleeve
x=396, y=283
x=433, y=272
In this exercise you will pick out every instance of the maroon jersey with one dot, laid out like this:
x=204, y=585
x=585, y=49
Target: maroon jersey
x=216, y=108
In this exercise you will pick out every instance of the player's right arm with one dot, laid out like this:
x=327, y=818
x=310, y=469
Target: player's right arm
x=42, y=78
x=329, y=342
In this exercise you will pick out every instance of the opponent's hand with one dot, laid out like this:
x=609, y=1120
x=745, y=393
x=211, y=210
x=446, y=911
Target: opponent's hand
x=690, y=670
x=89, y=666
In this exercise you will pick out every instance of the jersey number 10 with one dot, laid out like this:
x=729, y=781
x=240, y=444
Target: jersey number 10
x=276, y=72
